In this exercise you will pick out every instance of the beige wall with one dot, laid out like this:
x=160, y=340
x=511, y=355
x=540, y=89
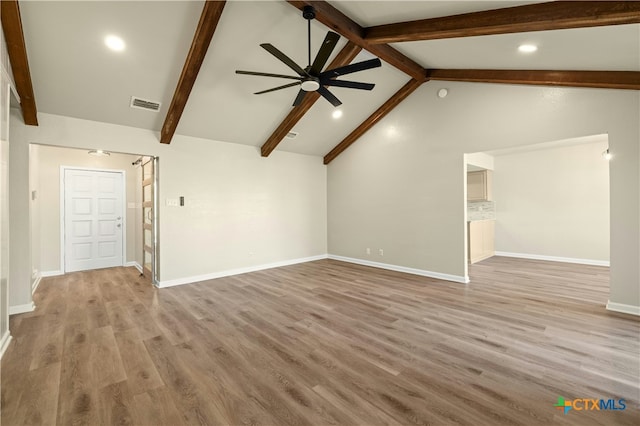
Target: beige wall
x=554, y=202
x=241, y=211
x=401, y=186
x=34, y=184
x=5, y=82
x=20, y=266
x=46, y=163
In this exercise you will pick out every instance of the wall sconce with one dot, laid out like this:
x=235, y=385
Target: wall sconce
x=99, y=153
x=607, y=155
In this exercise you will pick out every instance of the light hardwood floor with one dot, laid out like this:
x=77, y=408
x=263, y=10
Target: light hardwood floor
x=323, y=343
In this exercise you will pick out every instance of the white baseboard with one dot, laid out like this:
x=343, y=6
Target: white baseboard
x=21, y=309
x=45, y=274
x=4, y=342
x=621, y=307
x=134, y=263
x=421, y=272
x=35, y=284
x=230, y=272
x=554, y=258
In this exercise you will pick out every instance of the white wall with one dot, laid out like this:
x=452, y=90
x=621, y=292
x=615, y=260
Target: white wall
x=554, y=202
x=242, y=210
x=401, y=186
x=46, y=162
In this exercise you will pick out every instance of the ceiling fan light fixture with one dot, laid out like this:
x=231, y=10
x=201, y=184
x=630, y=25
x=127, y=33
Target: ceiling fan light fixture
x=310, y=85
x=337, y=114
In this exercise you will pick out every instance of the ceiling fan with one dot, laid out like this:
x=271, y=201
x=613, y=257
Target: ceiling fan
x=312, y=78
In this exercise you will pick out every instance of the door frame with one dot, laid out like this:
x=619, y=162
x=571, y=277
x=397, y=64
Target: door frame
x=63, y=170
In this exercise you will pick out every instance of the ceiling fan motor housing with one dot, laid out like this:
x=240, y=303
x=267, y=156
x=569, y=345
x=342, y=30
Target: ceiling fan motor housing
x=308, y=12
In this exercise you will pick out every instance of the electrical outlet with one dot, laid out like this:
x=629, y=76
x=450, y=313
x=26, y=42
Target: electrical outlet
x=172, y=202
x=381, y=252
x=368, y=250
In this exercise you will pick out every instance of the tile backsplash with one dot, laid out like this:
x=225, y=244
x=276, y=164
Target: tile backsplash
x=481, y=210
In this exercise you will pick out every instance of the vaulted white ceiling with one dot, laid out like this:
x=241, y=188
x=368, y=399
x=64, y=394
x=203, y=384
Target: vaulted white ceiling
x=74, y=74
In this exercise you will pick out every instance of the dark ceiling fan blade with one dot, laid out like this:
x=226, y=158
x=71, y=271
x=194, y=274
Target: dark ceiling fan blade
x=266, y=74
x=348, y=84
x=327, y=47
x=277, y=88
x=284, y=58
x=329, y=96
x=299, y=98
x=348, y=69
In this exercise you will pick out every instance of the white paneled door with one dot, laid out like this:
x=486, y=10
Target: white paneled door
x=93, y=219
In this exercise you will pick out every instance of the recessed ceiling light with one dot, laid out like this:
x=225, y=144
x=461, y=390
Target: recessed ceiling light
x=337, y=113
x=114, y=43
x=527, y=48
x=442, y=93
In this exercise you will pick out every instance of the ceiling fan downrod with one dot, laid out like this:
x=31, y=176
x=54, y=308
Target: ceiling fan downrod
x=308, y=13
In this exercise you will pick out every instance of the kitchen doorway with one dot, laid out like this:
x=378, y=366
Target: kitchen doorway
x=550, y=200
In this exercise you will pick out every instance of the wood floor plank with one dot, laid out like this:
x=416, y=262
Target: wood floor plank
x=326, y=343
x=105, y=354
x=77, y=397
x=144, y=323
x=119, y=316
x=141, y=373
x=115, y=404
x=182, y=386
x=39, y=405
x=155, y=407
x=48, y=349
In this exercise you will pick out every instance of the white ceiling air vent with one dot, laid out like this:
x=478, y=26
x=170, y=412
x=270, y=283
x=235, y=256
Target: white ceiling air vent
x=292, y=135
x=144, y=104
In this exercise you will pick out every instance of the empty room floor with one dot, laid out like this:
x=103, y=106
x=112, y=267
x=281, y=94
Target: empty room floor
x=324, y=343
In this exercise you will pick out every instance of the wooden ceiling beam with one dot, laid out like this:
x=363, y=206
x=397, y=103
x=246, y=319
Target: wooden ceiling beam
x=374, y=118
x=343, y=25
x=555, y=15
x=17, y=50
x=344, y=57
x=209, y=18
x=596, y=79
